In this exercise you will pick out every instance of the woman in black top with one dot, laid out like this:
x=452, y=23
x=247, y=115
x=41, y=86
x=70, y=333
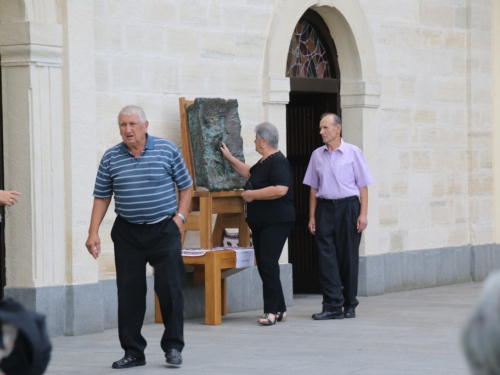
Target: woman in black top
x=270, y=214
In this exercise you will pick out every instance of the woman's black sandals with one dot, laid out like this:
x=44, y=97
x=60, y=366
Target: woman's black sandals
x=266, y=320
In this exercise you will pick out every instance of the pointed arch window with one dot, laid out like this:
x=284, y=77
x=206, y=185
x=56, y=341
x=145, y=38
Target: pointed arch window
x=312, y=62
x=307, y=55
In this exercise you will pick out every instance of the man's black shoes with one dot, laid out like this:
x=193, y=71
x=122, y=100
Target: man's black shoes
x=174, y=357
x=129, y=361
x=325, y=315
x=349, y=312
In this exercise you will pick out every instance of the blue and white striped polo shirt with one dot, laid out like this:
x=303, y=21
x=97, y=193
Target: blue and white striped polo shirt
x=144, y=186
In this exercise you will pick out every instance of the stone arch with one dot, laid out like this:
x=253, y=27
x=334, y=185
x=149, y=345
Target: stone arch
x=347, y=25
x=46, y=11
x=359, y=89
x=353, y=40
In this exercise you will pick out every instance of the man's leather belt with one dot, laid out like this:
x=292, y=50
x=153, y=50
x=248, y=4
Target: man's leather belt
x=341, y=200
x=156, y=222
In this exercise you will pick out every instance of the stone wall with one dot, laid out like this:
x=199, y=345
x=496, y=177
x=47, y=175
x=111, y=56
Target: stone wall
x=495, y=63
x=434, y=134
x=153, y=52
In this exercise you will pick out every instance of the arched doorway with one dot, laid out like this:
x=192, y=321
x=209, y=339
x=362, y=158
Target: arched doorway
x=313, y=68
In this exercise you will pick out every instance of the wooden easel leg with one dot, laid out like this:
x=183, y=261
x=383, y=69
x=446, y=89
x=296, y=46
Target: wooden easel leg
x=244, y=231
x=223, y=299
x=212, y=289
x=206, y=223
x=218, y=232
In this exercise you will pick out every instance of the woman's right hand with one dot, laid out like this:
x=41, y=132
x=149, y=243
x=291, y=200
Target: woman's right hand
x=241, y=168
x=225, y=151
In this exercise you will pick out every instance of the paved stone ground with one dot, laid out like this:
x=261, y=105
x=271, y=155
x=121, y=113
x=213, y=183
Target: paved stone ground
x=414, y=332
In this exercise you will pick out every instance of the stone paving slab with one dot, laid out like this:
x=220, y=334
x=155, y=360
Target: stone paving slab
x=413, y=332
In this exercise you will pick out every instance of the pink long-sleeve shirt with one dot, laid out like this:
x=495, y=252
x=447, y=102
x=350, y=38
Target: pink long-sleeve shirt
x=338, y=174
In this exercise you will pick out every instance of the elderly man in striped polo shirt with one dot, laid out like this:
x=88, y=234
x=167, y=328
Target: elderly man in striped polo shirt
x=142, y=172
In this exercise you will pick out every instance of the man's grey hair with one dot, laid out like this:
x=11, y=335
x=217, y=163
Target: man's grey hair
x=129, y=110
x=481, y=333
x=336, y=119
x=269, y=132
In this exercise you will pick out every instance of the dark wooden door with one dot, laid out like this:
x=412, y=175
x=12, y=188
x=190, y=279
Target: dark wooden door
x=303, y=113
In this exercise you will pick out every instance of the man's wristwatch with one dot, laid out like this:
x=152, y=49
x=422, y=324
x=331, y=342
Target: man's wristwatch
x=184, y=218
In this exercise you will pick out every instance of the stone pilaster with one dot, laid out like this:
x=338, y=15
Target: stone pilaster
x=360, y=102
x=33, y=144
x=35, y=235
x=48, y=96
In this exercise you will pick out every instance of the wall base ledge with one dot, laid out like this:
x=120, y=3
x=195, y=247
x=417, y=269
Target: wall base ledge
x=396, y=272
x=74, y=310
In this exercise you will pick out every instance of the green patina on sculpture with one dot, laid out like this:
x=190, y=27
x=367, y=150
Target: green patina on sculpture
x=212, y=121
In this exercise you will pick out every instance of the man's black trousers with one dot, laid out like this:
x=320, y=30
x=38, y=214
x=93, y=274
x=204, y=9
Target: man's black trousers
x=268, y=241
x=160, y=245
x=338, y=245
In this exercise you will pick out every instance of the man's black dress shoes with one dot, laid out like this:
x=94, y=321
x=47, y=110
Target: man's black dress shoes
x=349, y=312
x=335, y=314
x=174, y=357
x=128, y=361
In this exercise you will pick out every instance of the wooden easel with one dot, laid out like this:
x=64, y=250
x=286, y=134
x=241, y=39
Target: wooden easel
x=228, y=205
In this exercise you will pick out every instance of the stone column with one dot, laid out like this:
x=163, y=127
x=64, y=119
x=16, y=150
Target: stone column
x=35, y=235
x=50, y=157
x=359, y=102
x=276, y=97
x=275, y=100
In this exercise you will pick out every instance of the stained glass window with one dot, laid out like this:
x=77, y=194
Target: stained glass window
x=307, y=57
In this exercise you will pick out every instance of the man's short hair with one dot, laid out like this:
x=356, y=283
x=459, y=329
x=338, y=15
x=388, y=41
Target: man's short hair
x=481, y=333
x=129, y=110
x=336, y=119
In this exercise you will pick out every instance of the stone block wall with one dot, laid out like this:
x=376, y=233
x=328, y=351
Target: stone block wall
x=434, y=135
x=151, y=53
x=434, y=153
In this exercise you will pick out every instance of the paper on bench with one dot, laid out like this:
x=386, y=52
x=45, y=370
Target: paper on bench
x=244, y=255
x=193, y=252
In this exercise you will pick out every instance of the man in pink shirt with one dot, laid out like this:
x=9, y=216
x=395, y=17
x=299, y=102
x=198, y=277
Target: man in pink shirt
x=339, y=177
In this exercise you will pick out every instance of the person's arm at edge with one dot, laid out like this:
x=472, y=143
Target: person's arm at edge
x=7, y=198
x=99, y=210
x=241, y=168
x=363, y=212
x=312, y=211
x=183, y=206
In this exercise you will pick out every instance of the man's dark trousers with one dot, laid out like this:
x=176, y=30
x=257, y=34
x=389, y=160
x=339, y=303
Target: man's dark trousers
x=338, y=245
x=160, y=245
